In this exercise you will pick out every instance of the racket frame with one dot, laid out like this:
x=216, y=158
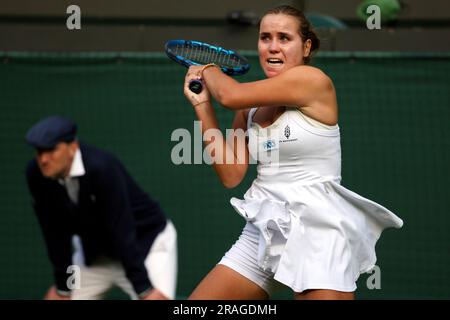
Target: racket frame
x=188, y=62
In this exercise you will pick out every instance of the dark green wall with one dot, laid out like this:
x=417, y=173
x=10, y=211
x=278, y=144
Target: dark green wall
x=394, y=119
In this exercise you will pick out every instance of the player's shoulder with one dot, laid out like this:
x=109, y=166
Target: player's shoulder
x=313, y=76
x=308, y=71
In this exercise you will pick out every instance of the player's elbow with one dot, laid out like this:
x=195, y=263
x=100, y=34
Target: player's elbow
x=231, y=180
x=231, y=183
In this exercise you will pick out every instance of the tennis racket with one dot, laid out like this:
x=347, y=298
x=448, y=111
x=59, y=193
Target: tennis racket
x=195, y=53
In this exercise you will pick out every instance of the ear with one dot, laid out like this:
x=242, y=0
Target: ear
x=74, y=147
x=307, y=48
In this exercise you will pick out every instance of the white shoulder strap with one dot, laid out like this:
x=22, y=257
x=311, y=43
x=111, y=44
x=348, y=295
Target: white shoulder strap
x=250, y=117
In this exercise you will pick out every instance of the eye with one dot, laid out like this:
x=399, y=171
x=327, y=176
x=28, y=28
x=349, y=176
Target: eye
x=284, y=38
x=264, y=37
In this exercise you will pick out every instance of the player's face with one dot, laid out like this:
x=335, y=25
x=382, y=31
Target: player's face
x=55, y=163
x=280, y=45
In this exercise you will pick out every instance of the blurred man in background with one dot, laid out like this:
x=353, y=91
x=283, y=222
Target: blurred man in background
x=94, y=216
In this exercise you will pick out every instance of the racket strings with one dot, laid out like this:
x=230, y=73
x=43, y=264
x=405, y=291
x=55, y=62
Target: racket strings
x=204, y=55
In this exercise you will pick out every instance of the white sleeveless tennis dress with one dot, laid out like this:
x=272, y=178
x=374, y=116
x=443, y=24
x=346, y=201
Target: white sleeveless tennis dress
x=303, y=229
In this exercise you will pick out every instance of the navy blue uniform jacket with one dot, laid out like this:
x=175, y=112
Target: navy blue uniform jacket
x=114, y=217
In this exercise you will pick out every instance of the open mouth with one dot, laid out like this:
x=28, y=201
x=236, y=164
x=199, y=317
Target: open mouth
x=274, y=62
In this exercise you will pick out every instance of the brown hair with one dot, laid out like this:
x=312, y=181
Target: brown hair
x=305, y=30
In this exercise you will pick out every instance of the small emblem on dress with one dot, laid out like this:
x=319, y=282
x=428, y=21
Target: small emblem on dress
x=269, y=144
x=287, y=132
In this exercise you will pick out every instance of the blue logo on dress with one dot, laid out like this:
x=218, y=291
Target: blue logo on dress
x=269, y=144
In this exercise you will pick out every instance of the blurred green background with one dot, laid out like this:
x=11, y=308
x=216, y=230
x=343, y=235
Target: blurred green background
x=394, y=120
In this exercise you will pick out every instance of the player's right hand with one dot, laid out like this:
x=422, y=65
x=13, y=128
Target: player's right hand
x=194, y=73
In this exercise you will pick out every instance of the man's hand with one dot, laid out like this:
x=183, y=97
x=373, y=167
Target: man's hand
x=52, y=294
x=155, y=294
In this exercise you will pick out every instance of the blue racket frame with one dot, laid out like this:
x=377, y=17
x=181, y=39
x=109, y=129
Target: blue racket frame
x=244, y=68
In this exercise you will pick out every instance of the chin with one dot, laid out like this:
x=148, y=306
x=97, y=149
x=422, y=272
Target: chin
x=272, y=73
x=49, y=174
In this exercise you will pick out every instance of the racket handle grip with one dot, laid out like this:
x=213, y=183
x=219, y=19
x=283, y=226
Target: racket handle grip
x=195, y=86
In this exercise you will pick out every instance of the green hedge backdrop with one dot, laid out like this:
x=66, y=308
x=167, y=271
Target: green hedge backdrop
x=394, y=119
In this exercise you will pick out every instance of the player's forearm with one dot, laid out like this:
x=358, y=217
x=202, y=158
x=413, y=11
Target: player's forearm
x=223, y=88
x=229, y=164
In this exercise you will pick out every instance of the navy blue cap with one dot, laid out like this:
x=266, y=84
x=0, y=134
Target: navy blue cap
x=50, y=131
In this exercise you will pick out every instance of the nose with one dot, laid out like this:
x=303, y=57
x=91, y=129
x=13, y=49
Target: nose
x=43, y=157
x=274, y=46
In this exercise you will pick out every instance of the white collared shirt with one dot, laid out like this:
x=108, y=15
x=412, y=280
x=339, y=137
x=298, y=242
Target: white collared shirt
x=71, y=182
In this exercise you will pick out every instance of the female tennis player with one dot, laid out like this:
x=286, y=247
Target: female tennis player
x=304, y=230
